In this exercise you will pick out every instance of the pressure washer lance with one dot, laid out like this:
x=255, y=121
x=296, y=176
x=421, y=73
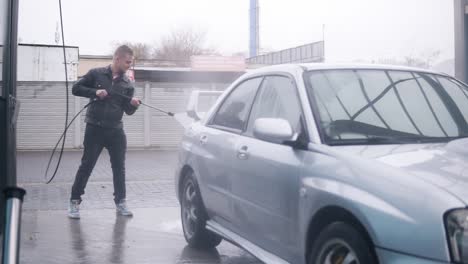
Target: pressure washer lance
x=142, y=103
x=76, y=116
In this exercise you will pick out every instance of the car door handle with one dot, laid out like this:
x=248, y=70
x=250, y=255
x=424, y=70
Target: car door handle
x=203, y=139
x=243, y=153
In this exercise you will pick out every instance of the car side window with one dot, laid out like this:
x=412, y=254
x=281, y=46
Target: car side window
x=234, y=111
x=277, y=99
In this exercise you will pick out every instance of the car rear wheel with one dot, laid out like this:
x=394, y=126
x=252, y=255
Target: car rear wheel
x=194, y=217
x=341, y=243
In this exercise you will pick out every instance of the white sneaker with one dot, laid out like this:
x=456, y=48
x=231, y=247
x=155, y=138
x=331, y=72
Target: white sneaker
x=74, y=209
x=122, y=208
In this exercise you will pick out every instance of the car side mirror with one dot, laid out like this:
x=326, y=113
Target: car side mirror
x=199, y=99
x=194, y=115
x=274, y=130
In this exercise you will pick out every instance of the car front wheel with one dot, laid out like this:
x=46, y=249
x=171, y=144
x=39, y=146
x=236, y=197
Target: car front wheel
x=194, y=217
x=341, y=243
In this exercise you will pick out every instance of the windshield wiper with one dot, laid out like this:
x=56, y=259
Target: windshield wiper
x=389, y=140
x=415, y=140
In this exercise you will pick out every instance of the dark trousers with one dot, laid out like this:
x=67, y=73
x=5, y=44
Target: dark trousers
x=96, y=138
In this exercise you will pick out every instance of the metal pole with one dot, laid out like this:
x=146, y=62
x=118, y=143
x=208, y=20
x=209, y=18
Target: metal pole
x=9, y=78
x=461, y=56
x=254, y=41
x=13, y=195
x=11, y=240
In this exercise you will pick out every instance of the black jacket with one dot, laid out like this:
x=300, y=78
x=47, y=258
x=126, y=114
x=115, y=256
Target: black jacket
x=109, y=111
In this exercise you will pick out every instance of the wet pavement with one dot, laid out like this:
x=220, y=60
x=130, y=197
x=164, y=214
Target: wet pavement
x=153, y=235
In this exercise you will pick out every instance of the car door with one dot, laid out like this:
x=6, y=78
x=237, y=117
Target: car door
x=216, y=143
x=266, y=182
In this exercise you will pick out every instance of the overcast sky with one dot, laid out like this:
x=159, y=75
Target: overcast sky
x=354, y=29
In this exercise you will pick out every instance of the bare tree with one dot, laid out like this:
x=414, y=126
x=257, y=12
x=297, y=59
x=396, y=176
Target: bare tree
x=425, y=60
x=244, y=54
x=141, y=51
x=179, y=45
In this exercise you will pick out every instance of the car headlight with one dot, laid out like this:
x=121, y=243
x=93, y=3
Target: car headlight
x=457, y=231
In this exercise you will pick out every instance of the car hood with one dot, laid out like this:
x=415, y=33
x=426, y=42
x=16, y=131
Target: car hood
x=444, y=164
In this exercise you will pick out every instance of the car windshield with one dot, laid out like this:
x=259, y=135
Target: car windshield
x=387, y=106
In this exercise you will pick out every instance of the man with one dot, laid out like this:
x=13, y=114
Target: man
x=112, y=95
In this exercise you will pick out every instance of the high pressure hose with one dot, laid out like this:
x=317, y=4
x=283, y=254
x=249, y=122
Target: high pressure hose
x=64, y=134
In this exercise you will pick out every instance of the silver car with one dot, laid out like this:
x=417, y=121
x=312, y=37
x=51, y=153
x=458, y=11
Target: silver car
x=318, y=163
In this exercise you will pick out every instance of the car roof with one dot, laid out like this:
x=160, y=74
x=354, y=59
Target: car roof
x=336, y=66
